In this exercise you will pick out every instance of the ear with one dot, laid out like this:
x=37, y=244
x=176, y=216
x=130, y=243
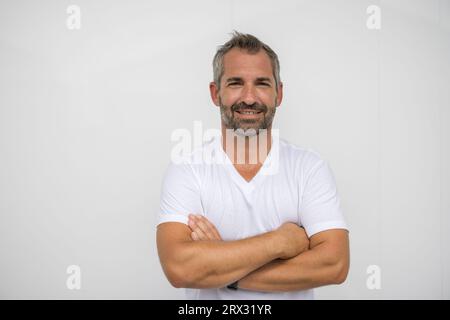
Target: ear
x=214, y=91
x=280, y=93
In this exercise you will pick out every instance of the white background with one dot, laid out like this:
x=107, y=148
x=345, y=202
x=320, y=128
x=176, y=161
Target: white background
x=86, y=118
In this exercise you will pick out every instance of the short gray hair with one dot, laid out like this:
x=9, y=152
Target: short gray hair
x=252, y=45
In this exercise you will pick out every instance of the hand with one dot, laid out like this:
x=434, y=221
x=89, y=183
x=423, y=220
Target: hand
x=202, y=228
x=293, y=239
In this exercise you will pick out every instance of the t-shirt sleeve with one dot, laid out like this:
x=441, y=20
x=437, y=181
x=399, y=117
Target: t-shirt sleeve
x=180, y=194
x=320, y=205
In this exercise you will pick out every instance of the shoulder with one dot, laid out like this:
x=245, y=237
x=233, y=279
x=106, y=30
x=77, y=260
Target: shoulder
x=301, y=158
x=189, y=162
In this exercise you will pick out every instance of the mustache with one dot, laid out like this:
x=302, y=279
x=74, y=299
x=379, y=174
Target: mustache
x=254, y=107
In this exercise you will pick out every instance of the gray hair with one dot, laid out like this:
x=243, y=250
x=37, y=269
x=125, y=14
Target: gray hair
x=252, y=45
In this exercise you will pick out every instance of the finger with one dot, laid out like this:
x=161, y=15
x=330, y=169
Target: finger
x=199, y=232
x=205, y=228
x=191, y=223
x=194, y=236
x=212, y=228
x=196, y=231
x=191, y=219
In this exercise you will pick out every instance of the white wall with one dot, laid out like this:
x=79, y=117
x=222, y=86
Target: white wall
x=86, y=117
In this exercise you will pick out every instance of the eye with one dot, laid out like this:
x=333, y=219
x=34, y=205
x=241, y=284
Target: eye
x=264, y=84
x=234, y=84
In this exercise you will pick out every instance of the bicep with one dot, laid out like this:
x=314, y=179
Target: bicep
x=180, y=195
x=319, y=208
x=170, y=236
x=334, y=243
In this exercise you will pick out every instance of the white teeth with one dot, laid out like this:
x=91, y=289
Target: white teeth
x=248, y=112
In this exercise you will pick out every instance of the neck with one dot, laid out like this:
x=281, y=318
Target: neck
x=247, y=150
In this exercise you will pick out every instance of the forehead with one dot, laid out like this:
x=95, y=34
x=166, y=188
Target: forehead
x=240, y=63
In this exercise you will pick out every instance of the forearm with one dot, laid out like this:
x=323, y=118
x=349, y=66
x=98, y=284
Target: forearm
x=214, y=264
x=310, y=269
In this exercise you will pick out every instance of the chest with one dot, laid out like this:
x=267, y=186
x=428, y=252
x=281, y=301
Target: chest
x=240, y=210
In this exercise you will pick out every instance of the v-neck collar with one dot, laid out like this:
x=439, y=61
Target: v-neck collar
x=269, y=164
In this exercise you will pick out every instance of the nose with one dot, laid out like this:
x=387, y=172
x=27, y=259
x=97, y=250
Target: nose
x=249, y=95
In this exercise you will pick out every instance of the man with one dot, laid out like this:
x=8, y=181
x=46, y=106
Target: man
x=241, y=229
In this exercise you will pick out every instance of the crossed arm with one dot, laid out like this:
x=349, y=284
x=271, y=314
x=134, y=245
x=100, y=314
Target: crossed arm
x=285, y=259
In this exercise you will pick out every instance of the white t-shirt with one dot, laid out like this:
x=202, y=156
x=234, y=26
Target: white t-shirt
x=294, y=185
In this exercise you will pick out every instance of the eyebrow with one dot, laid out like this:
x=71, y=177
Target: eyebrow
x=261, y=79
x=233, y=79
x=238, y=79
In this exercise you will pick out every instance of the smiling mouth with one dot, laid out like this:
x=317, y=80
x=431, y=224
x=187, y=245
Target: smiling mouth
x=249, y=112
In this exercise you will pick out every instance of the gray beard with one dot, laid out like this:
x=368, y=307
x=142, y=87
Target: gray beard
x=245, y=128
